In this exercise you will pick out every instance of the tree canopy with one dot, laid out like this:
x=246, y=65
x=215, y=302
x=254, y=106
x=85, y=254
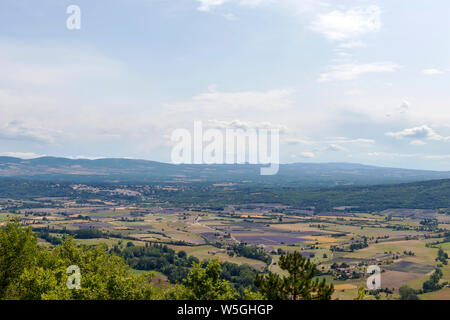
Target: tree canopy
x=299, y=284
x=33, y=272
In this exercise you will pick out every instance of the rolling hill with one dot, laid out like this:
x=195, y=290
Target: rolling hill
x=143, y=171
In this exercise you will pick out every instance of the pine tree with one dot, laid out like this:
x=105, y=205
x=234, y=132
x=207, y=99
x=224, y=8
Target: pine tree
x=299, y=284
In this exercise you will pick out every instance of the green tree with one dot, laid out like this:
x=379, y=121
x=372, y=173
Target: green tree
x=18, y=250
x=361, y=293
x=432, y=284
x=252, y=295
x=28, y=271
x=442, y=256
x=299, y=284
x=205, y=283
x=271, y=286
x=407, y=293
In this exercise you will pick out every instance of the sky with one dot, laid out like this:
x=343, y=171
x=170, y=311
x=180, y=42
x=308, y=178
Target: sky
x=344, y=80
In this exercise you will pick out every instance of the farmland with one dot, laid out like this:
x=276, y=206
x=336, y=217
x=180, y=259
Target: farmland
x=342, y=242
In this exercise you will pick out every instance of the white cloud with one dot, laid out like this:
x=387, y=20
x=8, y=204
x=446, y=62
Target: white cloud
x=352, y=44
x=308, y=155
x=18, y=130
x=418, y=133
x=391, y=154
x=238, y=124
x=345, y=25
x=343, y=54
x=349, y=140
x=295, y=141
x=226, y=101
x=207, y=5
x=404, y=106
x=230, y=17
x=295, y=6
x=431, y=72
x=352, y=71
x=438, y=157
x=417, y=143
x=354, y=92
x=402, y=109
x=22, y=155
x=89, y=157
x=336, y=148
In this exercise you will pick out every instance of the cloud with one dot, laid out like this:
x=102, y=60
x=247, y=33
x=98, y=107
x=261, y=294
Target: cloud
x=404, y=106
x=238, y=124
x=18, y=130
x=336, y=148
x=344, y=72
x=227, y=101
x=354, y=92
x=295, y=6
x=345, y=25
x=417, y=134
x=22, y=155
x=438, y=157
x=402, y=109
x=417, y=143
x=207, y=5
x=432, y=72
x=409, y=155
x=295, y=141
x=349, y=140
x=352, y=44
x=32, y=155
x=230, y=17
x=331, y=144
x=53, y=65
x=89, y=157
x=308, y=155
x=391, y=154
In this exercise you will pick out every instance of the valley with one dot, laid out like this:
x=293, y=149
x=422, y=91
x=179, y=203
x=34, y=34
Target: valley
x=204, y=222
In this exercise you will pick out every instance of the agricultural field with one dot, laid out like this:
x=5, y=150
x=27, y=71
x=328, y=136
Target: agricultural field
x=404, y=243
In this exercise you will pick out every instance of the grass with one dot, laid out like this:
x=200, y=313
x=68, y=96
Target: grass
x=110, y=242
x=443, y=294
x=422, y=253
x=207, y=252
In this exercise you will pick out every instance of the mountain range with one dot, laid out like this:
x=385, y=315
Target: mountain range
x=143, y=171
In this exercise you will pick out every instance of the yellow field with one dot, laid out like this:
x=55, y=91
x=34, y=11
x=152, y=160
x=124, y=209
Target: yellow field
x=321, y=239
x=422, y=253
x=340, y=287
x=122, y=228
x=296, y=227
x=348, y=218
x=443, y=294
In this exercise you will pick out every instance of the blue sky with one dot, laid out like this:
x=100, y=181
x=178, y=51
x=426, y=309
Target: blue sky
x=348, y=81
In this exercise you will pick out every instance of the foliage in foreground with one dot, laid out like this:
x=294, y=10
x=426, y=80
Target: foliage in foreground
x=299, y=284
x=29, y=271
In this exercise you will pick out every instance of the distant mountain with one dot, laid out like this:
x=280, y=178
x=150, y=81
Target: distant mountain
x=143, y=171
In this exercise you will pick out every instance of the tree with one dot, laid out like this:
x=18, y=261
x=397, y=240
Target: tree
x=28, y=271
x=18, y=249
x=299, y=284
x=361, y=293
x=205, y=283
x=432, y=284
x=271, y=286
x=442, y=256
x=407, y=293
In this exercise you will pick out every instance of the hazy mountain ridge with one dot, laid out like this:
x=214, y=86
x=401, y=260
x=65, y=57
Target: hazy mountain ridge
x=144, y=171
